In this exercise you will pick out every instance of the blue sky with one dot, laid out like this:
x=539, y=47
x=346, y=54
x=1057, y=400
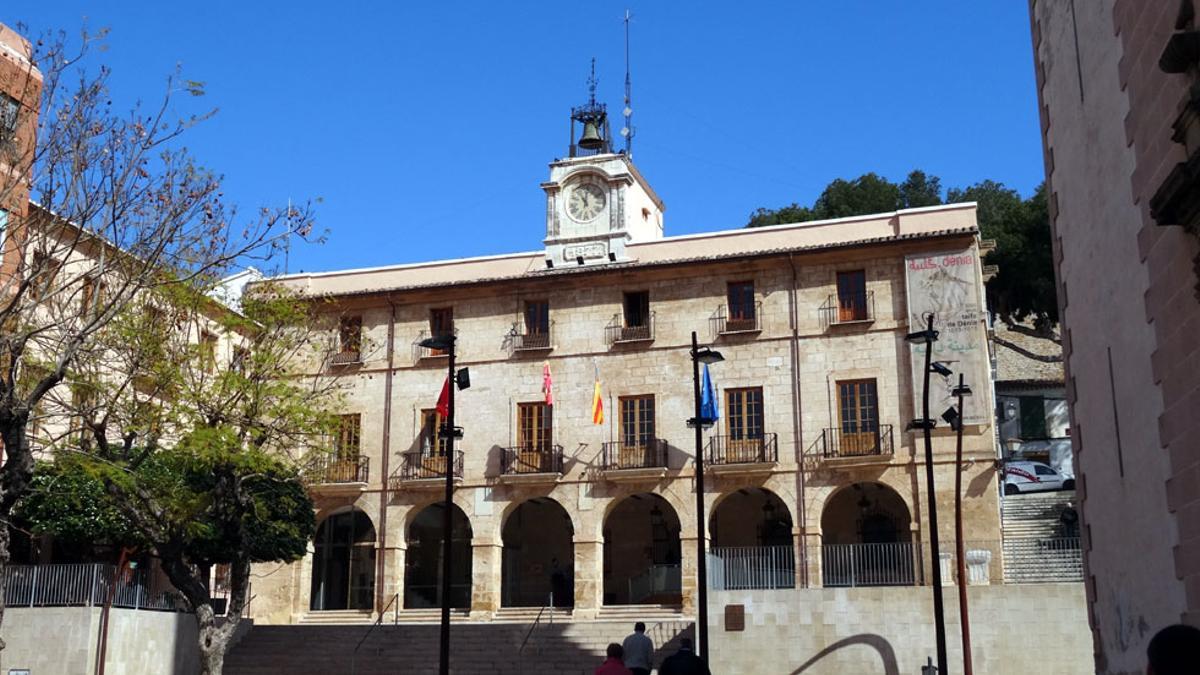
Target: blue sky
x=425, y=128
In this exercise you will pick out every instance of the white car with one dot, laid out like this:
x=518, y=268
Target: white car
x=1026, y=476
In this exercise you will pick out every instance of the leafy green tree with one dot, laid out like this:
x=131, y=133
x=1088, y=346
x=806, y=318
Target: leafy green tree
x=200, y=456
x=1023, y=289
x=869, y=193
x=122, y=209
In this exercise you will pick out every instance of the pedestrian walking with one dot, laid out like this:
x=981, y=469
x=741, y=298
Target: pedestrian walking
x=684, y=662
x=1174, y=650
x=613, y=665
x=639, y=650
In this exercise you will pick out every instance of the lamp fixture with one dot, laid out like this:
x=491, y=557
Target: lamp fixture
x=952, y=418
x=707, y=355
x=940, y=368
x=443, y=342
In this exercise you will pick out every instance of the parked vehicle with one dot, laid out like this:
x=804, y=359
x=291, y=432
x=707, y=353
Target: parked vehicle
x=1026, y=476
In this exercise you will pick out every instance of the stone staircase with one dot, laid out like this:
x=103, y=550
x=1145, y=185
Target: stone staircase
x=1035, y=549
x=565, y=647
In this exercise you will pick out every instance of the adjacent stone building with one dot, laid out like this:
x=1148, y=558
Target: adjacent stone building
x=812, y=478
x=1116, y=85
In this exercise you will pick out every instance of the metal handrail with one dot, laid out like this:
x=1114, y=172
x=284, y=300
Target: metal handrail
x=529, y=633
x=395, y=620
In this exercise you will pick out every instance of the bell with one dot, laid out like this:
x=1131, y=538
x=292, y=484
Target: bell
x=591, y=140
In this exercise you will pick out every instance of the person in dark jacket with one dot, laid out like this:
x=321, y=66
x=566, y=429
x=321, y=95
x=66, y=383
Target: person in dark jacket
x=684, y=662
x=1174, y=650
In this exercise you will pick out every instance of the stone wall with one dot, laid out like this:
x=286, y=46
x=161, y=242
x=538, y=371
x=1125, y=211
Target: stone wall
x=64, y=640
x=1034, y=628
x=1128, y=313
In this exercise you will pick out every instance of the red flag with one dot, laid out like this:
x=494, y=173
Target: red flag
x=547, y=383
x=443, y=404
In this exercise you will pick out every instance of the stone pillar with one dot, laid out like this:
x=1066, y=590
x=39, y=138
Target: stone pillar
x=808, y=553
x=589, y=577
x=687, y=573
x=486, y=557
x=393, y=575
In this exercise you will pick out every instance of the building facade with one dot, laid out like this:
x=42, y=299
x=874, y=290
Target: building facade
x=812, y=478
x=1118, y=124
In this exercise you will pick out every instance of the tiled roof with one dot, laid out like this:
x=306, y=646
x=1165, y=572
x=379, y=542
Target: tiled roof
x=1025, y=357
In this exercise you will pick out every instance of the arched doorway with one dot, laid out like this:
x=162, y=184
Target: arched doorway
x=866, y=538
x=538, y=555
x=751, y=535
x=423, y=559
x=343, y=573
x=641, y=552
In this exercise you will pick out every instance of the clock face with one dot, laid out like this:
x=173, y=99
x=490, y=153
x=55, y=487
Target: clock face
x=585, y=202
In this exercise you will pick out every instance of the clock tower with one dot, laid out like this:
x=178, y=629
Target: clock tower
x=596, y=200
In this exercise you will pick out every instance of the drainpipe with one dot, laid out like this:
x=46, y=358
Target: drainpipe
x=797, y=423
x=384, y=494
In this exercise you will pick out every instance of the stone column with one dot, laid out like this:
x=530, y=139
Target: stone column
x=486, y=557
x=589, y=577
x=808, y=555
x=687, y=572
x=393, y=575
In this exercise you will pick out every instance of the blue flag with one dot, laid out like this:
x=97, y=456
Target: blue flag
x=709, y=411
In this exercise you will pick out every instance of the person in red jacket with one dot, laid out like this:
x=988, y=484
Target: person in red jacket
x=613, y=664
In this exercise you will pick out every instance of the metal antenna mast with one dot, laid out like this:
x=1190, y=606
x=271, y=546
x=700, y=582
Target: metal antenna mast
x=627, y=131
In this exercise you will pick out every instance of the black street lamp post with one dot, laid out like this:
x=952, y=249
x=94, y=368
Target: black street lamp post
x=699, y=422
x=449, y=432
x=955, y=416
x=926, y=424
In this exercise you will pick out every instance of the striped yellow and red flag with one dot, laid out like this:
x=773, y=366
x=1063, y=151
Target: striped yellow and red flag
x=597, y=402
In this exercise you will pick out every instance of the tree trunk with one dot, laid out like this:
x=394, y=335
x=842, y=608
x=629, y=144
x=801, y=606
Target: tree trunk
x=213, y=640
x=15, y=474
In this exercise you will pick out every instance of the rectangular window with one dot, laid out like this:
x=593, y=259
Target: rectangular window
x=852, y=295
x=858, y=417
x=9, y=109
x=432, y=444
x=1033, y=417
x=93, y=294
x=441, y=322
x=637, y=421
x=637, y=309
x=3, y=227
x=241, y=359
x=741, y=306
x=350, y=335
x=45, y=270
x=537, y=317
x=208, y=351
x=349, y=430
x=535, y=427
x=744, y=416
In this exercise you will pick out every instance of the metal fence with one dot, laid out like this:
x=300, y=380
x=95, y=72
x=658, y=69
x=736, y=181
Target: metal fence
x=1039, y=560
x=88, y=585
x=896, y=564
x=736, y=568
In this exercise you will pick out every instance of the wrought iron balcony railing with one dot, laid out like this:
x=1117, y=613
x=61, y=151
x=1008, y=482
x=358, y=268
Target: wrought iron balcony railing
x=843, y=308
x=530, y=342
x=839, y=442
x=524, y=459
x=332, y=468
x=651, y=454
x=424, y=466
x=748, y=449
x=345, y=358
x=616, y=332
x=743, y=320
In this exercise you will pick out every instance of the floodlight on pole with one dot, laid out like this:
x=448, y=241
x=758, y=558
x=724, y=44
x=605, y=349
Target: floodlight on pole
x=941, y=369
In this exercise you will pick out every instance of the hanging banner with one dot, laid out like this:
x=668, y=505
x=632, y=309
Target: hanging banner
x=949, y=285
